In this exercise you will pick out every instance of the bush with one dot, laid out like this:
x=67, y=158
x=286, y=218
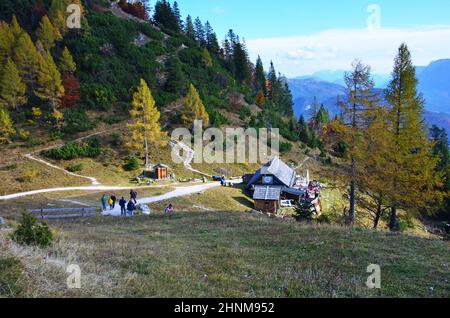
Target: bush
x=28, y=175
x=132, y=163
x=75, y=167
x=285, y=147
x=30, y=233
x=76, y=120
x=70, y=151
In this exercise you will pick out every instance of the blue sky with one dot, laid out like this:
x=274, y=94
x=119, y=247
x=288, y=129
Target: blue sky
x=306, y=36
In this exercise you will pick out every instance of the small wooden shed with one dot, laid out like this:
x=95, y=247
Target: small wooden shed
x=161, y=171
x=267, y=198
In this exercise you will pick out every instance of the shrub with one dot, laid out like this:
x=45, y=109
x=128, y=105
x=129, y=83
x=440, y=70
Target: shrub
x=132, y=163
x=30, y=233
x=285, y=147
x=70, y=151
x=28, y=175
x=75, y=167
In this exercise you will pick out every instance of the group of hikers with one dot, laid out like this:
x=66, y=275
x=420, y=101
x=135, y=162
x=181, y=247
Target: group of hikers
x=127, y=207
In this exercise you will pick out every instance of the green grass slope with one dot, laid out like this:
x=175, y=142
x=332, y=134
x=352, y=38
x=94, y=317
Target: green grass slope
x=223, y=254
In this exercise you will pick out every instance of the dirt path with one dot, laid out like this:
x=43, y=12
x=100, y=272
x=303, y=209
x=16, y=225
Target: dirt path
x=189, y=158
x=34, y=157
x=178, y=192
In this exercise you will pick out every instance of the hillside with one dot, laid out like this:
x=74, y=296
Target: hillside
x=223, y=254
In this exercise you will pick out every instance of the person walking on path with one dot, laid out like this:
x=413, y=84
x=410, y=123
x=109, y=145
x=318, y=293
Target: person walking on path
x=114, y=200
x=131, y=207
x=133, y=196
x=123, y=206
x=104, y=202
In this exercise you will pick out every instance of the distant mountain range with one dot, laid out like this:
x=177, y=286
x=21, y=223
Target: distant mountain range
x=434, y=83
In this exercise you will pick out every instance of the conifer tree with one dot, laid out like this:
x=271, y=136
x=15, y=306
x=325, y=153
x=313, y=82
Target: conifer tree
x=360, y=94
x=260, y=76
x=47, y=34
x=189, y=28
x=15, y=27
x=66, y=62
x=194, y=109
x=415, y=179
x=175, y=82
x=12, y=89
x=145, y=128
x=199, y=32
x=304, y=132
x=6, y=126
x=6, y=42
x=49, y=85
x=241, y=63
x=27, y=58
x=57, y=15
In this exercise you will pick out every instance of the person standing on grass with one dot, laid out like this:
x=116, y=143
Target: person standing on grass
x=133, y=196
x=123, y=204
x=114, y=199
x=131, y=207
x=104, y=202
x=169, y=210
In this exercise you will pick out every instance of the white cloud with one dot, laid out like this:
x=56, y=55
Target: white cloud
x=336, y=49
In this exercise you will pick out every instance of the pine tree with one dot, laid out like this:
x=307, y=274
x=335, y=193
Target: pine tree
x=66, y=62
x=57, y=15
x=189, y=28
x=212, y=43
x=200, y=32
x=194, y=109
x=206, y=57
x=6, y=42
x=6, y=126
x=273, y=89
x=47, y=34
x=177, y=14
x=12, y=89
x=360, y=94
x=260, y=76
x=176, y=82
x=304, y=132
x=145, y=129
x=27, y=58
x=15, y=27
x=241, y=63
x=373, y=162
x=49, y=85
x=414, y=180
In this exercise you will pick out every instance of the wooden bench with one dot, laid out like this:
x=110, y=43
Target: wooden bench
x=63, y=213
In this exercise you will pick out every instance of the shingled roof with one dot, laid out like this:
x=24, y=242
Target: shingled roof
x=267, y=193
x=279, y=170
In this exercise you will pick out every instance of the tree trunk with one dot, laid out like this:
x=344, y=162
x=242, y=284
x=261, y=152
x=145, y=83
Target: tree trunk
x=377, y=216
x=393, y=225
x=146, y=153
x=351, y=213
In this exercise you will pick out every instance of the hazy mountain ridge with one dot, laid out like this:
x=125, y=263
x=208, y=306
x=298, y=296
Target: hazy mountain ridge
x=434, y=83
